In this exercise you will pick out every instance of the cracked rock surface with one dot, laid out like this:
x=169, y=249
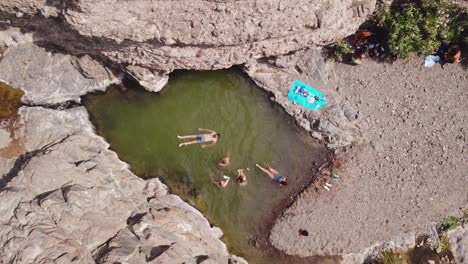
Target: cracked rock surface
x=459, y=243
x=65, y=196
x=336, y=123
x=68, y=198
x=52, y=78
x=161, y=36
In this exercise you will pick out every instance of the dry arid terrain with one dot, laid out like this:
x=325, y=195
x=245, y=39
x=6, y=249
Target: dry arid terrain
x=410, y=172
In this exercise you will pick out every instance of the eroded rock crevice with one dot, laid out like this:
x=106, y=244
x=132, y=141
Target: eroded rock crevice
x=22, y=161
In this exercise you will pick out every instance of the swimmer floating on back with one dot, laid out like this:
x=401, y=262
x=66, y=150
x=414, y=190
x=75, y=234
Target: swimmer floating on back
x=211, y=137
x=274, y=175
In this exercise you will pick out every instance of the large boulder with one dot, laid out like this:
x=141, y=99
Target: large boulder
x=52, y=78
x=459, y=242
x=162, y=36
x=337, y=123
x=68, y=198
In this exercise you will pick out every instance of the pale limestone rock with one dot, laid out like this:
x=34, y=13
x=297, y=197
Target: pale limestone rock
x=4, y=138
x=331, y=123
x=190, y=34
x=92, y=69
x=150, y=80
x=14, y=37
x=50, y=78
x=25, y=7
x=69, y=198
x=459, y=243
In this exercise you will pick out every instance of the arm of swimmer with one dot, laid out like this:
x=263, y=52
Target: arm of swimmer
x=225, y=183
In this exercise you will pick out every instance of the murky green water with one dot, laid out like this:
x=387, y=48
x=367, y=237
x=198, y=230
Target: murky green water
x=10, y=100
x=142, y=127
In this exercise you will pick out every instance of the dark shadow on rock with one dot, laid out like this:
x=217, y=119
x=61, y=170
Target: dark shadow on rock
x=200, y=259
x=133, y=220
x=22, y=161
x=156, y=252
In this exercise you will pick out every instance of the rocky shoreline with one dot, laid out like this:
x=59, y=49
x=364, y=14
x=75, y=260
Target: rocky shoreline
x=90, y=206
x=64, y=183
x=372, y=157
x=385, y=181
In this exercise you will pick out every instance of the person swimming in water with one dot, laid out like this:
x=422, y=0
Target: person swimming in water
x=274, y=175
x=241, y=178
x=224, y=162
x=211, y=137
x=221, y=183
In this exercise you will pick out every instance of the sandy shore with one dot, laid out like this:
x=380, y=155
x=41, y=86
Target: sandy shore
x=411, y=172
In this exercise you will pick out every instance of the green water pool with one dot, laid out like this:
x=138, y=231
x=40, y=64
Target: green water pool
x=142, y=128
x=10, y=100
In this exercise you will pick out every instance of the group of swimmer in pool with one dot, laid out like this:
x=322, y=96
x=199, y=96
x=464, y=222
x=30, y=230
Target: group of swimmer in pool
x=210, y=138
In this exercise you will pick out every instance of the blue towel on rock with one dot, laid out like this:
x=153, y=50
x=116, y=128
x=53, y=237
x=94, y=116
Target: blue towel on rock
x=306, y=96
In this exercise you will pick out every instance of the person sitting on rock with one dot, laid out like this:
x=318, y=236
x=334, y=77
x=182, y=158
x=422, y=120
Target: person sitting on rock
x=241, y=178
x=274, y=175
x=211, y=137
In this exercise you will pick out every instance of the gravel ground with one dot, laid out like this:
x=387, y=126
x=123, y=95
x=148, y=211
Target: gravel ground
x=413, y=170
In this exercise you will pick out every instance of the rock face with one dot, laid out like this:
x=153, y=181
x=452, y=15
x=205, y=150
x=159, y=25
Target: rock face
x=337, y=123
x=150, y=80
x=20, y=8
x=191, y=34
x=459, y=243
x=49, y=78
x=172, y=35
x=65, y=196
x=68, y=198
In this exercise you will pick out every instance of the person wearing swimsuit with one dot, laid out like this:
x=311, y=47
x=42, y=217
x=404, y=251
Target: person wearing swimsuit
x=274, y=175
x=241, y=178
x=211, y=137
